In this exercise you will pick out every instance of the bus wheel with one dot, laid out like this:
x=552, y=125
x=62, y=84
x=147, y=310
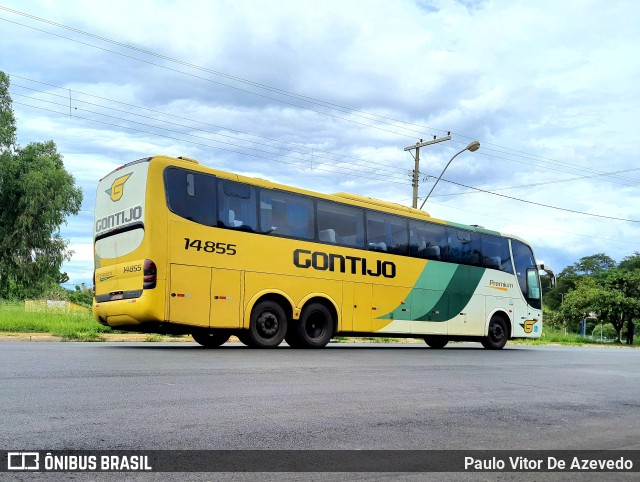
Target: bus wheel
x=268, y=325
x=210, y=339
x=435, y=341
x=315, y=328
x=497, y=336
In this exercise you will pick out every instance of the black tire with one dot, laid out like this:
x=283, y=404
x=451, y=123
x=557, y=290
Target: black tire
x=211, y=339
x=268, y=325
x=314, y=328
x=436, y=341
x=497, y=335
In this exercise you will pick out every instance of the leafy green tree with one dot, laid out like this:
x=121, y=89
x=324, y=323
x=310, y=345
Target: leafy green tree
x=7, y=119
x=614, y=301
x=631, y=263
x=36, y=194
x=82, y=295
x=595, y=265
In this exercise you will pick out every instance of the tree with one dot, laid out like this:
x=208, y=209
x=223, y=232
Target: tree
x=36, y=194
x=82, y=295
x=614, y=301
x=7, y=119
x=631, y=263
x=595, y=265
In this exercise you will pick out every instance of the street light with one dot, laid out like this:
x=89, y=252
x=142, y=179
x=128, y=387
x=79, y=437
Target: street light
x=473, y=146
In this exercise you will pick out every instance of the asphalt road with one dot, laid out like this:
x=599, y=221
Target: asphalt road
x=137, y=396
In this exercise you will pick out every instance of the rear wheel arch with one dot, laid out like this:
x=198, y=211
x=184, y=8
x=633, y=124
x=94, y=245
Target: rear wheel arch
x=277, y=296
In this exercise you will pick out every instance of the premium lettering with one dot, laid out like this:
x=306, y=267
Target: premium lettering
x=304, y=258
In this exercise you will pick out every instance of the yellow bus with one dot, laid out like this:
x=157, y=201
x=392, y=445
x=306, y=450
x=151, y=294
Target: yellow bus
x=181, y=248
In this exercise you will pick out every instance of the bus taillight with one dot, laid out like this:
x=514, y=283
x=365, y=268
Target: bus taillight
x=150, y=273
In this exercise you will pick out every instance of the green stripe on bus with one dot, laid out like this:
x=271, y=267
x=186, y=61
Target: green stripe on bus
x=440, y=293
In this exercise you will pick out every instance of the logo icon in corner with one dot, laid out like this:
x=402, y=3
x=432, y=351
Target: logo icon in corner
x=528, y=326
x=117, y=188
x=23, y=460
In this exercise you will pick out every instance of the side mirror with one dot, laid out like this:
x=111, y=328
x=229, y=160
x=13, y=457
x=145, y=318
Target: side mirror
x=549, y=273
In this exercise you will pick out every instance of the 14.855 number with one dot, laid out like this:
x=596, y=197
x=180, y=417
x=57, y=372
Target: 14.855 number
x=210, y=246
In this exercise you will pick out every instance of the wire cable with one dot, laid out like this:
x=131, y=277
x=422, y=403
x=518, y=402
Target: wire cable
x=343, y=109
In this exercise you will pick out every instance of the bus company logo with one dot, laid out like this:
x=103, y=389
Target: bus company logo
x=303, y=258
x=528, y=326
x=106, y=276
x=116, y=190
x=23, y=461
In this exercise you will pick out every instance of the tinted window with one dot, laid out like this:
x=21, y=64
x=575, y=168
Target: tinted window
x=464, y=247
x=523, y=259
x=286, y=214
x=191, y=195
x=387, y=233
x=428, y=240
x=340, y=224
x=495, y=253
x=238, y=206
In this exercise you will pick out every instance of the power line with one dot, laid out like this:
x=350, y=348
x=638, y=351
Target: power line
x=634, y=243
x=298, y=165
x=312, y=100
x=541, y=204
x=559, y=181
x=201, y=137
x=207, y=79
x=203, y=144
x=328, y=170
x=313, y=149
x=383, y=167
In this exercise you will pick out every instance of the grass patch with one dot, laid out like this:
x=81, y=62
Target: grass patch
x=68, y=326
x=154, y=337
x=550, y=336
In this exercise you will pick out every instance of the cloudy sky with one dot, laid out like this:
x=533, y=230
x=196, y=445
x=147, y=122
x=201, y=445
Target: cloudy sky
x=325, y=95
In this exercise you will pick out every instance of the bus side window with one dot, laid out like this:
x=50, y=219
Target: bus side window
x=495, y=253
x=387, y=233
x=237, y=206
x=465, y=247
x=428, y=240
x=191, y=195
x=339, y=224
x=285, y=214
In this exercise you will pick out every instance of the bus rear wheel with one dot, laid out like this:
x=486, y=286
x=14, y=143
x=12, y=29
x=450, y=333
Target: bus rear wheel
x=435, y=341
x=497, y=335
x=268, y=325
x=210, y=339
x=314, y=329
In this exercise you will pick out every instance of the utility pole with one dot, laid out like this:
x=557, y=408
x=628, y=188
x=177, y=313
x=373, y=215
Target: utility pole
x=416, y=171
